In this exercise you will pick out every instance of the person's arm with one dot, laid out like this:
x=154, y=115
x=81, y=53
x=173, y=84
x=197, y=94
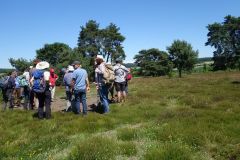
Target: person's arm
x=73, y=80
x=87, y=85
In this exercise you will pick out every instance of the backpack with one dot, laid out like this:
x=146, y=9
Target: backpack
x=128, y=77
x=4, y=82
x=39, y=84
x=23, y=82
x=108, y=75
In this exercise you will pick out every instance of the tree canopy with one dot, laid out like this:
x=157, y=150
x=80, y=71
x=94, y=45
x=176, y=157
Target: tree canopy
x=20, y=64
x=182, y=55
x=108, y=41
x=153, y=62
x=225, y=38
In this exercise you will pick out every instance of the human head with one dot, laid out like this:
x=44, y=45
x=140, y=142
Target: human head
x=118, y=60
x=14, y=74
x=70, y=68
x=99, y=59
x=35, y=62
x=76, y=64
x=52, y=71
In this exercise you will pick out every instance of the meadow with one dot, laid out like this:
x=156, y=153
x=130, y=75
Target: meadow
x=191, y=118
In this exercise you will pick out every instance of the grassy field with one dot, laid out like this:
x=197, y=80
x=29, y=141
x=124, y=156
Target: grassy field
x=193, y=118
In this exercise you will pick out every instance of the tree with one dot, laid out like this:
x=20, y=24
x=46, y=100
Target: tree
x=112, y=43
x=56, y=53
x=183, y=56
x=225, y=38
x=89, y=40
x=108, y=42
x=20, y=64
x=153, y=62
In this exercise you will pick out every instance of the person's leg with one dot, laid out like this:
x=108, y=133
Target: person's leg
x=123, y=91
x=126, y=88
x=83, y=99
x=31, y=100
x=41, y=98
x=26, y=93
x=10, y=98
x=5, y=99
x=47, y=103
x=77, y=102
x=53, y=92
x=117, y=86
x=103, y=97
x=18, y=96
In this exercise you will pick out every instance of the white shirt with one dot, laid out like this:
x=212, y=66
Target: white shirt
x=46, y=75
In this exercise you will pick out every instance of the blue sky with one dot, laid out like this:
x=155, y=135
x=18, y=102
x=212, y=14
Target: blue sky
x=26, y=25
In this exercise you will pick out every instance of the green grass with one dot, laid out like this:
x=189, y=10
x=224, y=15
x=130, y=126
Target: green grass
x=195, y=117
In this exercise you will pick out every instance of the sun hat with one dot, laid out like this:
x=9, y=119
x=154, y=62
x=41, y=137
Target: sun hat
x=99, y=57
x=42, y=65
x=70, y=68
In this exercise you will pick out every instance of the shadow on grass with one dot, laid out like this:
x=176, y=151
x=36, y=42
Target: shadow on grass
x=235, y=82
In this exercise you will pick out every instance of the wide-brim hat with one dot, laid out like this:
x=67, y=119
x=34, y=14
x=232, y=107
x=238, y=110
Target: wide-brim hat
x=70, y=68
x=42, y=65
x=99, y=57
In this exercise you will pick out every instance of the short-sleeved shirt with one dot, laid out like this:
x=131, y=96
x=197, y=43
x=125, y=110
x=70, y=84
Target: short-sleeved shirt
x=99, y=74
x=80, y=75
x=68, y=80
x=120, y=73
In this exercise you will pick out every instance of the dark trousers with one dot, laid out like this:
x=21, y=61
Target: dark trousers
x=80, y=97
x=44, y=100
x=69, y=95
x=26, y=96
x=8, y=97
x=31, y=99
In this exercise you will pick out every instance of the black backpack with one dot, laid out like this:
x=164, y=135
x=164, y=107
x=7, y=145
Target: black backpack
x=4, y=82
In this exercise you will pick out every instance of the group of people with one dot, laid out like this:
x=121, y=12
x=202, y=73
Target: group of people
x=36, y=86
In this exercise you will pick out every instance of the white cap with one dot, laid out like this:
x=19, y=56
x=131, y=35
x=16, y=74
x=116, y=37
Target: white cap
x=70, y=68
x=99, y=57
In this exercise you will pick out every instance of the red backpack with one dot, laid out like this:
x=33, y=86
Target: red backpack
x=128, y=77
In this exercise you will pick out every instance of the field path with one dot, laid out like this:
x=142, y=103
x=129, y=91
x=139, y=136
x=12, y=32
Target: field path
x=60, y=103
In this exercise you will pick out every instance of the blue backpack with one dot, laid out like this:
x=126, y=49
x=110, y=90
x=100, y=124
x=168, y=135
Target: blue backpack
x=39, y=84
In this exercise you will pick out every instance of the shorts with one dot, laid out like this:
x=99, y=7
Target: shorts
x=120, y=87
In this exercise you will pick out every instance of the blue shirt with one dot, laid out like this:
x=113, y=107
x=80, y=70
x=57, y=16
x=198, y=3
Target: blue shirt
x=80, y=75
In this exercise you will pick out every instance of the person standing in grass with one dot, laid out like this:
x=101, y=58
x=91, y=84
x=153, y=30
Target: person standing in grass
x=53, y=79
x=80, y=85
x=67, y=80
x=101, y=86
x=120, y=80
x=33, y=102
x=41, y=87
x=7, y=91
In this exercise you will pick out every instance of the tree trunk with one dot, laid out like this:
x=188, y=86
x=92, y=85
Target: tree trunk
x=107, y=57
x=180, y=73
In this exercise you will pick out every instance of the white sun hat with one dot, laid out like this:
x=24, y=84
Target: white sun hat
x=42, y=65
x=70, y=68
x=99, y=57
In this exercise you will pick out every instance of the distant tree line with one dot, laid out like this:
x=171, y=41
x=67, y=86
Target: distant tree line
x=154, y=62
x=93, y=40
